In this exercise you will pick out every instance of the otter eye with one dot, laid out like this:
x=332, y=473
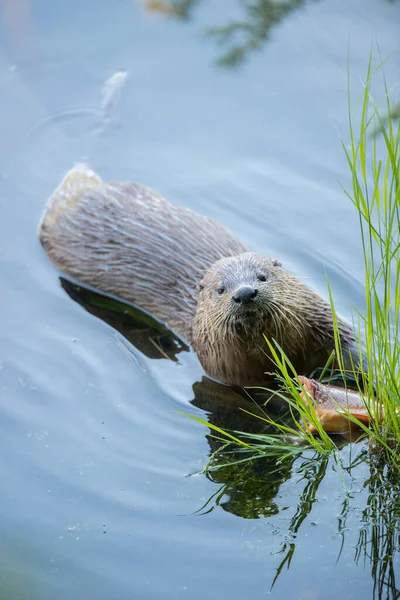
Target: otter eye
x=261, y=277
x=221, y=290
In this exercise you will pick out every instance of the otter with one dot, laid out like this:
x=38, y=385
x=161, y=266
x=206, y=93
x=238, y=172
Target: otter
x=189, y=272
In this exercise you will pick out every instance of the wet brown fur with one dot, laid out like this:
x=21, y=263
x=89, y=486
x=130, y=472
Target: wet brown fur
x=125, y=240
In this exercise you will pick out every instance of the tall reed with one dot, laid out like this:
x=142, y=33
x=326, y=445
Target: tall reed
x=373, y=157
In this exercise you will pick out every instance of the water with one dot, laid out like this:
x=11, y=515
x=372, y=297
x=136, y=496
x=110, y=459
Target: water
x=96, y=498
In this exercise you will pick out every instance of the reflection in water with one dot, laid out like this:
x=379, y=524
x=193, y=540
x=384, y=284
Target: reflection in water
x=251, y=33
x=392, y=115
x=181, y=9
x=240, y=37
x=379, y=536
x=148, y=335
x=313, y=474
x=250, y=488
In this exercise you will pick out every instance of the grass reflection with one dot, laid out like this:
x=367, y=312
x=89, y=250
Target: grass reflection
x=379, y=537
x=252, y=490
x=249, y=488
x=238, y=37
x=313, y=475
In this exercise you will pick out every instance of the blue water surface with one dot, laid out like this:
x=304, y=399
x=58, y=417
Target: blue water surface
x=97, y=501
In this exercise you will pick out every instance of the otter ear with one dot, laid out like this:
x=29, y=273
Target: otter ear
x=276, y=263
x=200, y=286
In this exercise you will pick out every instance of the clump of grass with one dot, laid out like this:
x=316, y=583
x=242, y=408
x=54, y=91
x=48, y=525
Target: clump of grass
x=374, y=163
x=373, y=157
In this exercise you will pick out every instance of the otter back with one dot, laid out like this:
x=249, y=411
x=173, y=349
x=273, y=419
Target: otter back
x=125, y=240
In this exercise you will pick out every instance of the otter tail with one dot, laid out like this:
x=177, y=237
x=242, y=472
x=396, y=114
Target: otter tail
x=78, y=178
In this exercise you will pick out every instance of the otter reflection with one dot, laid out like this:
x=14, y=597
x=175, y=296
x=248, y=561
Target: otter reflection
x=149, y=336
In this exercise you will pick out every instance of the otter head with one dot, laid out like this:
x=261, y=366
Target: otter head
x=238, y=294
x=245, y=297
x=241, y=299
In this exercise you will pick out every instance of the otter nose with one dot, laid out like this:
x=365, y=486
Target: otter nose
x=245, y=295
